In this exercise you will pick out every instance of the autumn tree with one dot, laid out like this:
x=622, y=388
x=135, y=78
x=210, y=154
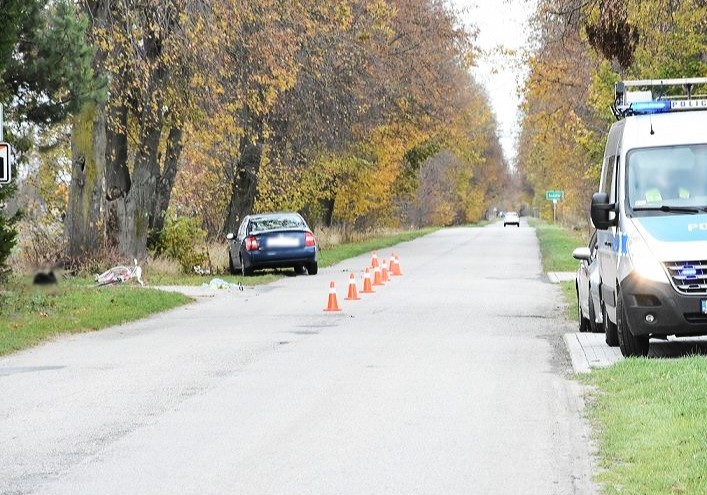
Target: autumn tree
x=44, y=72
x=331, y=110
x=133, y=140
x=583, y=49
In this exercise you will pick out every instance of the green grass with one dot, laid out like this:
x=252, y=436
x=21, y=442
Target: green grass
x=569, y=292
x=259, y=278
x=651, y=415
x=341, y=252
x=556, y=245
x=30, y=315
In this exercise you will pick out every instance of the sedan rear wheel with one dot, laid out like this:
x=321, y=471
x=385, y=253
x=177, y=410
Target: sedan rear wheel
x=246, y=272
x=231, y=266
x=312, y=268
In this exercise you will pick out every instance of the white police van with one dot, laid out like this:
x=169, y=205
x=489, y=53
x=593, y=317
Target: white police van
x=651, y=214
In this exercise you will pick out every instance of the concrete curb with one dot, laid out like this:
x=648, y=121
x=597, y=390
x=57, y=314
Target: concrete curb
x=580, y=364
x=589, y=350
x=557, y=277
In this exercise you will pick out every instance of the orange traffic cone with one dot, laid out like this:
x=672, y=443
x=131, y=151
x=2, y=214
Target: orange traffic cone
x=374, y=259
x=377, y=279
x=367, y=287
x=353, y=294
x=332, y=304
x=384, y=272
x=395, y=266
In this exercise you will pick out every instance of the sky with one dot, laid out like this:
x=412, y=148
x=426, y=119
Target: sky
x=502, y=25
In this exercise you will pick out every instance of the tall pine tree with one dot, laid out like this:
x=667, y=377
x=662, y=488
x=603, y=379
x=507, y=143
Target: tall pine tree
x=45, y=75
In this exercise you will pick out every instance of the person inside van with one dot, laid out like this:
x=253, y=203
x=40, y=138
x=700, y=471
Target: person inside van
x=660, y=185
x=651, y=185
x=656, y=180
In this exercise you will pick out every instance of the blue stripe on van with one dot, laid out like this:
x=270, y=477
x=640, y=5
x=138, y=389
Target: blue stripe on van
x=676, y=228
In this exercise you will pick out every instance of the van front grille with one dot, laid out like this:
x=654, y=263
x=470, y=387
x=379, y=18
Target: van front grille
x=688, y=277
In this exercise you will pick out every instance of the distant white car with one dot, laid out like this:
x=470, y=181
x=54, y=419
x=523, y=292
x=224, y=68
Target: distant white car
x=511, y=218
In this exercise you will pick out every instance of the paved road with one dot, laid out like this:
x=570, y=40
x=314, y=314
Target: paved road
x=449, y=380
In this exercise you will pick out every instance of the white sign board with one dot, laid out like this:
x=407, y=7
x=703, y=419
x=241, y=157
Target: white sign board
x=5, y=171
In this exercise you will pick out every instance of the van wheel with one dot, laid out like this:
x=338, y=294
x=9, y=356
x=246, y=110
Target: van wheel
x=631, y=345
x=610, y=331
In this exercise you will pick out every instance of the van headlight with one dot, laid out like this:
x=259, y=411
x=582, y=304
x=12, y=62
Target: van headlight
x=644, y=263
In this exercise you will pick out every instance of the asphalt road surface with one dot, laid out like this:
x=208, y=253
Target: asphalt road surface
x=451, y=379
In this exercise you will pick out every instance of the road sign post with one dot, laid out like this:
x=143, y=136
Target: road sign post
x=554, y=196
x=5, y=171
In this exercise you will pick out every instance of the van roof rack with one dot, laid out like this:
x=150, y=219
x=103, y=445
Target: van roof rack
x=658, y=96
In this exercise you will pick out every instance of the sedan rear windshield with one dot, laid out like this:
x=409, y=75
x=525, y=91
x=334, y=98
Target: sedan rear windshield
x=284, y=222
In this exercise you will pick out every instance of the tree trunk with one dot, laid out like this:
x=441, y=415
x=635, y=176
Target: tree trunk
x=139, y=204
x=245, y=177
x=136, y=215
x=117, y=173
x=245, y=186
x=166, y=181
x=88, y=152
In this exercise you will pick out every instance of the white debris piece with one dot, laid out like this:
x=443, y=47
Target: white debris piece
x=218, y=283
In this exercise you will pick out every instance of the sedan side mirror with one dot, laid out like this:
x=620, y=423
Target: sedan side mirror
x=600, y=212
x=229, y=236
x=581, y=253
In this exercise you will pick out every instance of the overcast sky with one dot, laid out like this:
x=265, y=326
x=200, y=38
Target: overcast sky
x=502, y=25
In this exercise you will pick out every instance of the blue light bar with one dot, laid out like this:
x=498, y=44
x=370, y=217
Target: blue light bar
x=649, y=107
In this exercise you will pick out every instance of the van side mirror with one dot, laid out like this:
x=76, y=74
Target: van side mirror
x=582, y=253
x=601, y=208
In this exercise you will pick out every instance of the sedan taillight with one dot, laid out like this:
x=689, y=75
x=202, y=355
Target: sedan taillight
x=251, y=243
x=309, y=239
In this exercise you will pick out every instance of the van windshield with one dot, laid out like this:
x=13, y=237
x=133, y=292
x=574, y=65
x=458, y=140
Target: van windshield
x=667, y=178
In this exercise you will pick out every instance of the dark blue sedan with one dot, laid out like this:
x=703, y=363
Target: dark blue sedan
x=273, y=240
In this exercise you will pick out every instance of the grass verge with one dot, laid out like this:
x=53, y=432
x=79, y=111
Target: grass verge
x=336, y=254
x=556, y=246
x=652, y=424
x=30, y=315
x=649, y=415
x=569, y=292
